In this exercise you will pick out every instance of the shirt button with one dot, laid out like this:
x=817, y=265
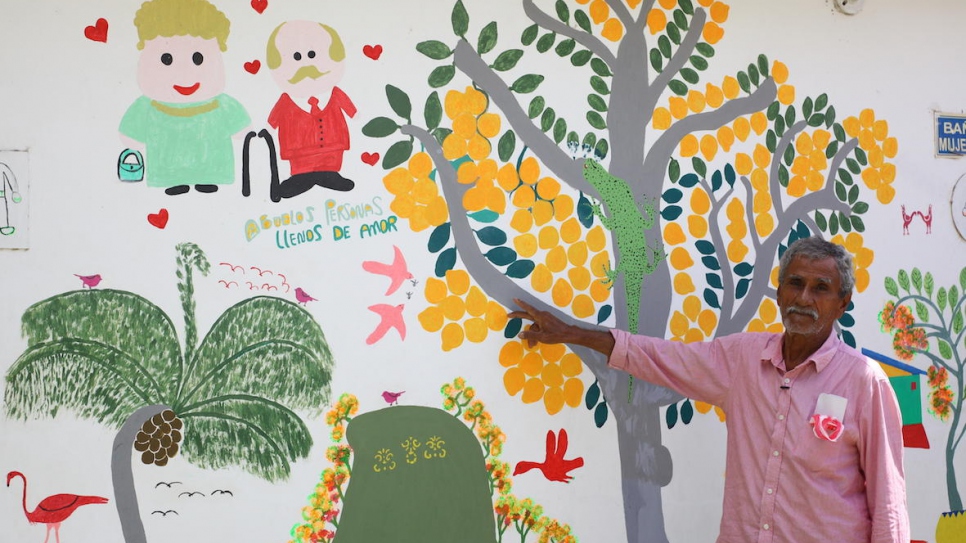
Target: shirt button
x=771, y=491
x=781, y=417
x=765, y=527
x=787, y=380
x=774, y=453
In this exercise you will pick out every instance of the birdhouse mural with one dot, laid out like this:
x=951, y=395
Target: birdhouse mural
x=906, y=383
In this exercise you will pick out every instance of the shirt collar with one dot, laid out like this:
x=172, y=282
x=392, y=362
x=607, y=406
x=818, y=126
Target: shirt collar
x=821, y=358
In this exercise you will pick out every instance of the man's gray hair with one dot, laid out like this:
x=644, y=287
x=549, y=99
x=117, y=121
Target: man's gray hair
x=816, y=248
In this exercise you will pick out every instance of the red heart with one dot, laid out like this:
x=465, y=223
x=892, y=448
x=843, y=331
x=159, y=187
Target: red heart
x=370, y=158
x=372, y=51
x=253, y=66
x=97, y=32
x=159, y=219
x=259, y=5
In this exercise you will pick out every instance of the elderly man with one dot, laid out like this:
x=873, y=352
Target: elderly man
x=307, y=60
x=814, y=449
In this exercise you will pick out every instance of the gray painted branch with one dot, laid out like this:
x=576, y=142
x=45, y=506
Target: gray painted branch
x=595, y=46
x=122, y=474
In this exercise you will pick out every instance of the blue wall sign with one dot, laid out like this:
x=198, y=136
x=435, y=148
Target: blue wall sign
x=950, y=135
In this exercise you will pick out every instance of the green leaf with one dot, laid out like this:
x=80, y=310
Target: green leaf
x=536, y=107
x=600, y=414
x=820, y=221
x=840, y=191
x=566, y=47
x=783, y=175
x=839, y=133
x=600, y=67
x=671, y=415
x=487, y=40
x=592, y=396
x=962, y=279
x=704, y=49
x=858, y=223
x=831, y=149
x=699, y=166
x=944, y=349
x=699, y=62
x=599, y=85
x=687, y=411
x=953, y=295
x=845, y=176
x=780, y=125
x=941, y=298
x=903, y=280
x=753, y=74
x=441, y=75
x=833, y=224
x=492, y=236
x=439, y=239
x=501, y=256
x=958, y=323
x=559, y=130
x=604, y=313
x=581, y=57
x=789, y=155
x=380, y=127
x=680, y=19
x=821, y=102
x=664, y=46
x=860, y=207
x=513, y=326
x=597, y=102
x=461, y=19
x=583, y=21
x=891, y=287
x=399, y=102
x=601, y=149
x=673, y=32
x=520, y=269
x=686, y=6
x=546, y=42
x=657, y=60
x=922, y=312
x=527, y=83
x=434, y=49
x=807, y=107
x=563, y=11
x=433, y=111
x=547, y=119
x=507, y=59
x=677, y=87
x=763, y=65
x=529, y=34
x=485, y=216
x=853, y=194
x=445, y=262
x=917, y=279
x=398, y=153
x=596, y=120
x=744, y=82
x=845, y=222
x=506, y=145
x=816, y=120
x=689, y=75
x=674, y=170
x=771, y=141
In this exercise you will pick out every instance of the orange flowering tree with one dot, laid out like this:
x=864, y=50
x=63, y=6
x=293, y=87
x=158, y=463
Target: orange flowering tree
x=661, y=203
x=931, y=322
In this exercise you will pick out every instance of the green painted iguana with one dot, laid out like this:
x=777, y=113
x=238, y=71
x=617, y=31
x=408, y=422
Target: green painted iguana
x=628, y=223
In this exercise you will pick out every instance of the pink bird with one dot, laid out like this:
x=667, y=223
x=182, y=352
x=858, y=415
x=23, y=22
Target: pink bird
x=303, y=297
x=89, y=281
x=53, y=510
x=392, y=317
x=392, y=397
x=397, y=272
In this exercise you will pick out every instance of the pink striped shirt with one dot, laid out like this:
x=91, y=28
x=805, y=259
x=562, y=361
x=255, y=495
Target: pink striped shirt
x=783, y=484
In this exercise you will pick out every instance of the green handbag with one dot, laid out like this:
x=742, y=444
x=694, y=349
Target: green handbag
x=130, y=166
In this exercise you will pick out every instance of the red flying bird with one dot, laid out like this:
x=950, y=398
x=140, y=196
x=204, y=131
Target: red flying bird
x=554, y=467
x=53, y=510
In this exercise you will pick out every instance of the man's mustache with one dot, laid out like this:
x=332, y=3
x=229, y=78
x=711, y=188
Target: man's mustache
x=802, y=311
x=309, y=71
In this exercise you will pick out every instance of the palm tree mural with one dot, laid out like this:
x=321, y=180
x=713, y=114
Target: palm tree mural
x=114, y=357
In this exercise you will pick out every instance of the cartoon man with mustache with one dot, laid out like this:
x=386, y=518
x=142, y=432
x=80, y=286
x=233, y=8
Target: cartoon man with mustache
x=307, y=59
x=184, y=122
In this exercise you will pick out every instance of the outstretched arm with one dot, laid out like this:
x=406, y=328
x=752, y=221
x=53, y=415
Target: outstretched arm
x=547, y=328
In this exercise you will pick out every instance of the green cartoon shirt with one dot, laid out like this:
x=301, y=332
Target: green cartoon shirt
x=186, y=144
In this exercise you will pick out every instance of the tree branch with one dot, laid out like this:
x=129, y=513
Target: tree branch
x=560, y=163
x=623, y=15
x=682, y=55
x=595, y=46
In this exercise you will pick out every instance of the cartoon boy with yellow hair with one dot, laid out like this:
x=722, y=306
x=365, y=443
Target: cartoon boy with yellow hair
x=184, y=121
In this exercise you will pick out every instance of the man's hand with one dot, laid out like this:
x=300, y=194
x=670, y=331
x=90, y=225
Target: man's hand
x=547, y=328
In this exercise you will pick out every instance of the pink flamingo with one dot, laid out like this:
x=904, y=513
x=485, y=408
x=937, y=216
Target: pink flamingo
x=55, y=509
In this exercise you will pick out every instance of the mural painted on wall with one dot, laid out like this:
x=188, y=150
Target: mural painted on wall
x=403, y=464
x=669, y=192
x=927, y=322
x=333, y=220
x=228, y=399
x=184, y=122
x=52, y=510
x=14, y=187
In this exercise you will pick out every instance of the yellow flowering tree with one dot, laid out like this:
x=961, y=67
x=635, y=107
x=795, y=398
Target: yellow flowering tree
x=661, y=206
